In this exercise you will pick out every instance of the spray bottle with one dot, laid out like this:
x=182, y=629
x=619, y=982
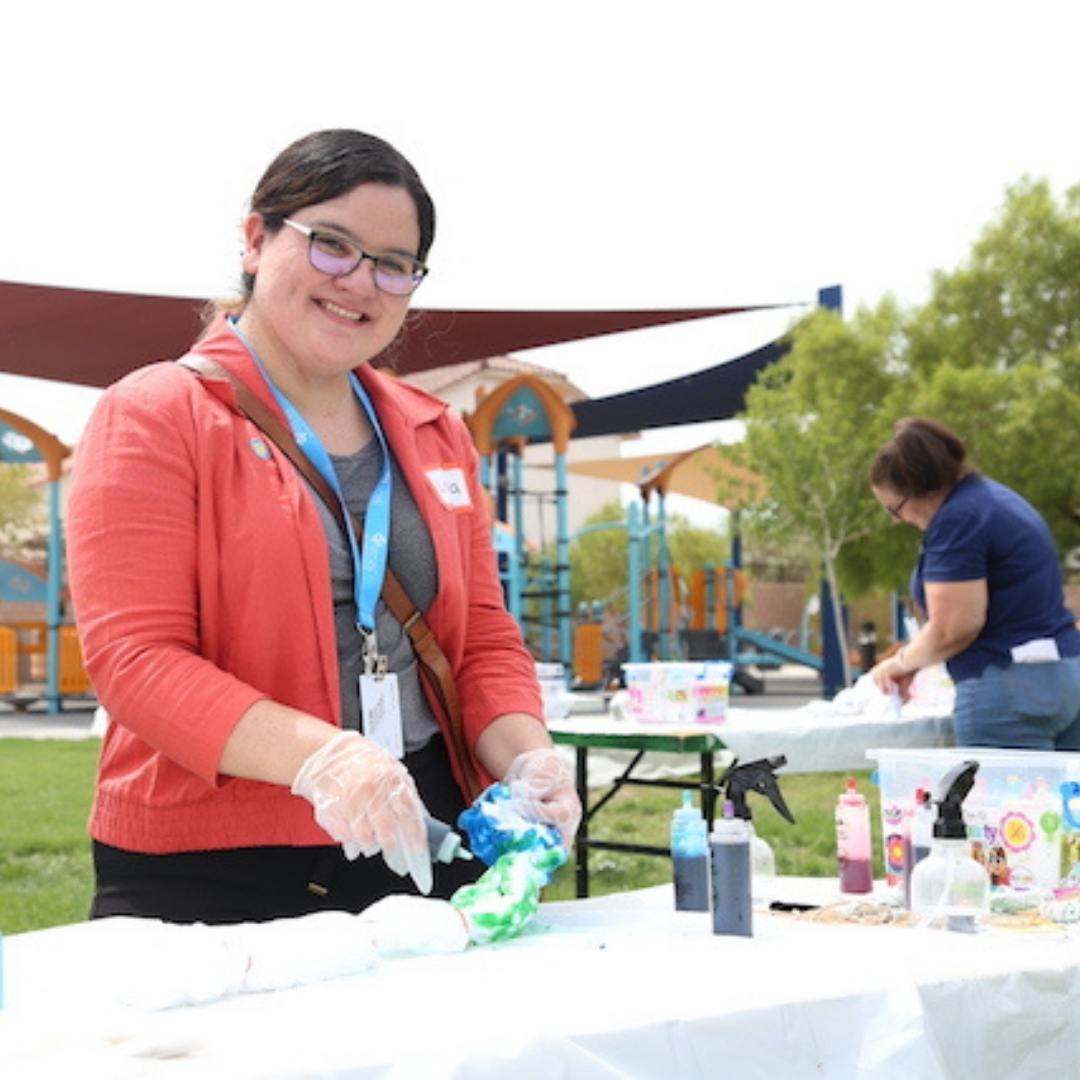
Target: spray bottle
x=729, y=848
x=690, y=857
x=759, y=776
x=853, y=841
x=949, y=883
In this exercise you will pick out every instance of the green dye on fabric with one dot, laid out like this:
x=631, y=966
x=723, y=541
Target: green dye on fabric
x=501, y=904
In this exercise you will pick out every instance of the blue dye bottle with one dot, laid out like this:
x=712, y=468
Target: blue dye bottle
x=729, y=847
x=690, y=857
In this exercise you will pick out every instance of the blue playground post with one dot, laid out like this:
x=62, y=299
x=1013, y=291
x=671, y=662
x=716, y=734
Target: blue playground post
x=832, y=673
x=52, y=688
x=562, y=548
x=634, y=537
x=663, y=569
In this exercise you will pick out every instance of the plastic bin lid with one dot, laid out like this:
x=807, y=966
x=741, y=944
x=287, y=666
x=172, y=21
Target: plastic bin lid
x=985, y=755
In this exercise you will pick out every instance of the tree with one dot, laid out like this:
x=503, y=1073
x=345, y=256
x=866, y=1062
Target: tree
x=813, y=421
x=20, y=508
x=599, y=561
x=1016, y=300
x=995, y=353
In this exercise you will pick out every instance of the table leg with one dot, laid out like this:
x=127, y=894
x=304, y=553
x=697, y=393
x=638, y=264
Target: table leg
x=708, y=790
x=581, y=754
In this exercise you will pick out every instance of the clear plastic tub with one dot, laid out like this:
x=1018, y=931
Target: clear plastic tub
x=1022, y=815
x=678, y=693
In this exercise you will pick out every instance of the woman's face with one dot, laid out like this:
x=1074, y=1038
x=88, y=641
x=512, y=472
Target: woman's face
x=914, y=510
x=320, y=325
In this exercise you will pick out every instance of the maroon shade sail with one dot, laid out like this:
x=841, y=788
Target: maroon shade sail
x=93, y=338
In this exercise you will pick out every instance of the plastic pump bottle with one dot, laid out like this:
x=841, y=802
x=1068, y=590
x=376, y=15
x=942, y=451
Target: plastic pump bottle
x=690, y=857
x=853, y=841
x=729, y=847
x=949, y=884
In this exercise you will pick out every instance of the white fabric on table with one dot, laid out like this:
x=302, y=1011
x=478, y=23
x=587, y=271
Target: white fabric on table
x=613, y=986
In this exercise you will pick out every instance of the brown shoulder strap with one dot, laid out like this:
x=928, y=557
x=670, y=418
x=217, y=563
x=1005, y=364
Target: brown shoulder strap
x=432, y=659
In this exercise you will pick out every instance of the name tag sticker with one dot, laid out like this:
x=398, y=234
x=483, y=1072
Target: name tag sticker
x=380, y=710
x=449, y=484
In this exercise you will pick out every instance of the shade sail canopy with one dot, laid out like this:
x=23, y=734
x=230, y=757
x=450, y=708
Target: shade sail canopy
x=93, y=337
x=703, y=473
x=717, y=393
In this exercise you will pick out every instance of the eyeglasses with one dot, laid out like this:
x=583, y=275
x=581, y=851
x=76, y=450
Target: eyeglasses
x=331, y=253
x=894, y=511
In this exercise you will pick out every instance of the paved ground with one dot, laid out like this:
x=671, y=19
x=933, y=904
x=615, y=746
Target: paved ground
x=786, y=687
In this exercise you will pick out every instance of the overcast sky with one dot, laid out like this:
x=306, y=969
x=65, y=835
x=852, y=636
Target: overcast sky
x=581, y=154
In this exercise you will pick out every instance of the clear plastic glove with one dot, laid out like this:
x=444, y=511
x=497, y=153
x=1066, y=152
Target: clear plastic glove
x=367, y=801
x=543, y=790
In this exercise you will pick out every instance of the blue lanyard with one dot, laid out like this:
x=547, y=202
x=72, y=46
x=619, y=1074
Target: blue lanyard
x=369, y=564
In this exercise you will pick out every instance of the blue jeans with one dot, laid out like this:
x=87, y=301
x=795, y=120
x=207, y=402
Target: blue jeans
x=1021, y=707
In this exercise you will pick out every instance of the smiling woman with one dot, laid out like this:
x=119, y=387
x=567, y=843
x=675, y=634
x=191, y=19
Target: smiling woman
x=304, y=650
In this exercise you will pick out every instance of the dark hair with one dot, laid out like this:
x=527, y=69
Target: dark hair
x=923, y=457
x=327, y=164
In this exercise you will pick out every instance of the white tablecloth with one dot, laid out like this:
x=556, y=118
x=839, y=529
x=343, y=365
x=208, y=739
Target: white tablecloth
x=613, y=986
x=812, y=738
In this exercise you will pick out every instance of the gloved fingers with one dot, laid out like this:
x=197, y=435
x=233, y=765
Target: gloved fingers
x=559, y=807
x=564, y=813
x=397, y=817
x=539, y=772
x=408, y=861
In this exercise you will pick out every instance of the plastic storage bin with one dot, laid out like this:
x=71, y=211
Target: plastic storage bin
x=1022, y=815
x=678, y=693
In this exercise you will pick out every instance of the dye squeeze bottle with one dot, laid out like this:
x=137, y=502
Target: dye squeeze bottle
x=949, y=884
x=444, y=844
x=729, y=848
x=690, y=857
x=853, y=841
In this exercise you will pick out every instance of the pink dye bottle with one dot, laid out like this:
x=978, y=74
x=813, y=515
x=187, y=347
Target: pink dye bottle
x=853, y=841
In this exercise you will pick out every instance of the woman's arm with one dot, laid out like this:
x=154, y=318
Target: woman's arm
x=506, y=737
x=270, y=742
x=956, y=615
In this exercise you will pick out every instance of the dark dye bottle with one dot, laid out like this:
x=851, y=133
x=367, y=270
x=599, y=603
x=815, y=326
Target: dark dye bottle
x=729, y=848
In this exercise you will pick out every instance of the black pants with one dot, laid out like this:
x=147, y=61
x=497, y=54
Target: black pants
x=255, y=884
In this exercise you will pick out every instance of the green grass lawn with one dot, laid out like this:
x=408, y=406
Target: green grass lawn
x=45, y=792
x=46, y=788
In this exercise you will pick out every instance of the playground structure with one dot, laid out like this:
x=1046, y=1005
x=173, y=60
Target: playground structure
x=538, y=592
x=39, y=659
x=523, y=410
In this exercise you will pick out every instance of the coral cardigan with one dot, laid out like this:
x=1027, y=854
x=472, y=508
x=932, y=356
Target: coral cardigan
x=201, y=584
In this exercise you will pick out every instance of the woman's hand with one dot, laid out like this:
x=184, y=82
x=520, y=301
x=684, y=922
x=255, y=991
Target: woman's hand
x=367, y=801
x=543, y=790
x=890, y=676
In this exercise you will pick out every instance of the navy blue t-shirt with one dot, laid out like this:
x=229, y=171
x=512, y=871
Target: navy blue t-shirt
x=985, y=530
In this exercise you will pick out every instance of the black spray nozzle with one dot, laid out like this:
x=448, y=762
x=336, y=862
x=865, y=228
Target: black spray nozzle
x=759, y=776
x=952, y=790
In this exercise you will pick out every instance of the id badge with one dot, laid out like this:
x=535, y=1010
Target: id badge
x=380, y=710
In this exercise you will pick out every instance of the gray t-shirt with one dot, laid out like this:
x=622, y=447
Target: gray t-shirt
x=412, y=558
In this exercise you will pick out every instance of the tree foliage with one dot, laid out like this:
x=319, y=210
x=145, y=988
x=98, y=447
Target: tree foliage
x=599, y=562
x=994, y=353
x=21, y=508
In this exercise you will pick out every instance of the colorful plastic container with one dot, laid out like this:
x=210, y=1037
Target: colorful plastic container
x=1022, y=815
x=678, y=693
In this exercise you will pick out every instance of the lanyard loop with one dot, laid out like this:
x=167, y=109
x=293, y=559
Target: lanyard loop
x=370, y=558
